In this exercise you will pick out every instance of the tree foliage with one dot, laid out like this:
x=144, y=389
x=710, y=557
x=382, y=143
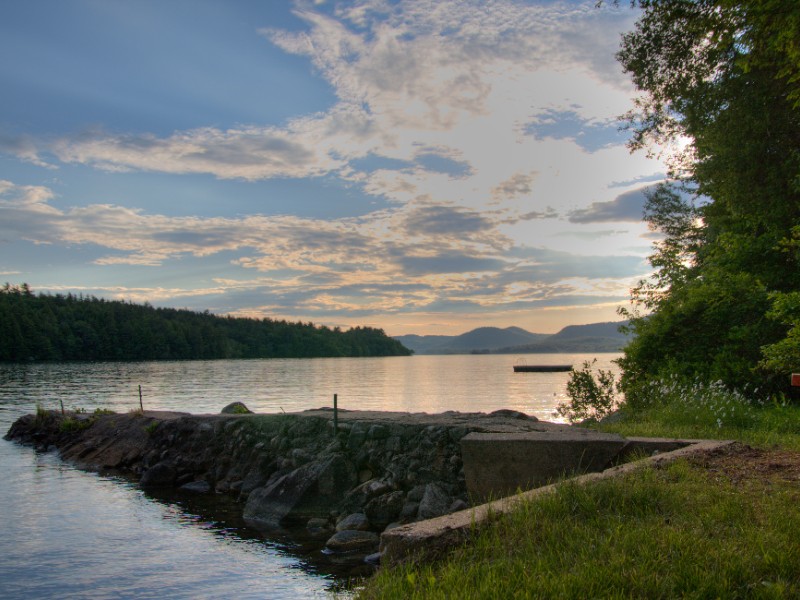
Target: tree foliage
x=720, y=94
x=46, y=327
x=590, y=398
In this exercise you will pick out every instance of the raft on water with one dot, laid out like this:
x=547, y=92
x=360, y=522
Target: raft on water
x=542, y=368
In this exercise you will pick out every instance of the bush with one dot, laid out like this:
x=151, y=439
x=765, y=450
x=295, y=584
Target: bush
x=590, y=398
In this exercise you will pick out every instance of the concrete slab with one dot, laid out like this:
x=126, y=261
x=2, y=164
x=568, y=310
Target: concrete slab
x=430, y=539
x=499, y=464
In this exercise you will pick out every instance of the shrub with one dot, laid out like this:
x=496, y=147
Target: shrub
x=590, y=398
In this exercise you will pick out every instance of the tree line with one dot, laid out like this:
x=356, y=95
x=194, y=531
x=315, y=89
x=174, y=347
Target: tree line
x=720, y=81
x=59, y=327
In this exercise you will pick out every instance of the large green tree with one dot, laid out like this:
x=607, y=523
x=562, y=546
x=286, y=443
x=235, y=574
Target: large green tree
x=720, y=95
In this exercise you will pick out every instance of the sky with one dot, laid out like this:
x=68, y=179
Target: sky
x=426, y=166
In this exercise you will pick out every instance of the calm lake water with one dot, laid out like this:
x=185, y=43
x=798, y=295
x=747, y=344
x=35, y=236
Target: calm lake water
x=72, y=534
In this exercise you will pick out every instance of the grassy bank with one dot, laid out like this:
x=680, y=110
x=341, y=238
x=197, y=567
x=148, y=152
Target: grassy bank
x=701, y=528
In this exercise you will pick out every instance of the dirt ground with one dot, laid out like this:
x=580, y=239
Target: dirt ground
x=741, y=464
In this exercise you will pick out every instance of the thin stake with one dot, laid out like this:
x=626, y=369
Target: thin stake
x=141, y=406
x=62, y=406
x=335, y=415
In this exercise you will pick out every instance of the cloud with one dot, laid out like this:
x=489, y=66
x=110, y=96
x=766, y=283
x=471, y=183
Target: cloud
x=419, y=256
x=447, y=263
x=437, y=162
x=247, y=153
x=23, y=147
x=477, y=124
x=625, y=207
x=418, y=83
x=436, y=220
x=548, y=213
x=591, y=135
x=519, y=184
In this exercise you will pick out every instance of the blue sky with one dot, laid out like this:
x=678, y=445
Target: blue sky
x=426, y=167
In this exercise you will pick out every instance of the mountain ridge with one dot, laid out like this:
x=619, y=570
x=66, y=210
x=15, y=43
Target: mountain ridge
x=593, y=337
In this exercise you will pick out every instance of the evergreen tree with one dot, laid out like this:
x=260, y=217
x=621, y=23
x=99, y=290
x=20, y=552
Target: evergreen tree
x=60, y=327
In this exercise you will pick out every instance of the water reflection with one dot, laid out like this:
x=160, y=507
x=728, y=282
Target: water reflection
x=72, y=534
x=471, y=383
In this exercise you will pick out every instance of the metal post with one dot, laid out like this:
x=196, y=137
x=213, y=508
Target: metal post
x=335, y=415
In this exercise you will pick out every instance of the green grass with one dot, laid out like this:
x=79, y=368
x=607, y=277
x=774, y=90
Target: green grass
x=71, y=424
x=771, y=425
x=668, y=533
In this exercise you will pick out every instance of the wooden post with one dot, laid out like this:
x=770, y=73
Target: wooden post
x=335, y=415
x=141, y=406
x=62, y=406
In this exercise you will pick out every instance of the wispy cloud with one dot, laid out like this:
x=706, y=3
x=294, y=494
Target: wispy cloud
x=625, y=207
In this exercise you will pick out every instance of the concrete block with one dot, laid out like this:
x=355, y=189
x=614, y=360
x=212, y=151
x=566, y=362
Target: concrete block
x=500, y=464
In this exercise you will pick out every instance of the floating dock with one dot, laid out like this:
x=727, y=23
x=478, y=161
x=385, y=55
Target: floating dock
x=542, y=368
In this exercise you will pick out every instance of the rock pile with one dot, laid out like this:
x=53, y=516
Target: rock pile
x=346, y=486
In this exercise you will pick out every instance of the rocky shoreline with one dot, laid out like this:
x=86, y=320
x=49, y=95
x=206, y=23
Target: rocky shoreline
x=376, y=471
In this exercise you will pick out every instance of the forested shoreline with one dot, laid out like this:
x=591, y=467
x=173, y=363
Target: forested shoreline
x=46, y=327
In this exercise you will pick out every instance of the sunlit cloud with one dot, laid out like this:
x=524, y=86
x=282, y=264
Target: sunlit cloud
x=485, y=132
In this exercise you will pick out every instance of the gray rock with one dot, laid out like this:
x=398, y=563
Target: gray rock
x=318, y=523
x=159, y=475
x=357, y=437
x=351, y=541
x=197, y=487
x=376, y=487
x=512, y=414
x=409, y=512
x=318, y=528
x=456, y=433
x=255, y=479
x=354, y=522
x=378, y=432
x=236, y=408
x=416, y=493
x=384, y=509
x=458, y=505
x=308, y=491
x=435, y=502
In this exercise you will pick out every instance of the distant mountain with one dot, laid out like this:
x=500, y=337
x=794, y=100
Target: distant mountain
x=483, y=339
x=595, y=337
x=423, y=344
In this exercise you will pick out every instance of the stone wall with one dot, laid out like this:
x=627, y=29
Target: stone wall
x=286, y=469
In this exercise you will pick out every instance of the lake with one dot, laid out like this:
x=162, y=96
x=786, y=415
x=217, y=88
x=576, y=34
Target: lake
x=73, y=534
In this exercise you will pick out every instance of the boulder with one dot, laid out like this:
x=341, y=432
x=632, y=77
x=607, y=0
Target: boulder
x=318, y=528
x=435, y=502
x=352, y=541
x=378, y=432
x=309, y=491
x=236, y=408
x=512, y=414
x=161, y=474
x=196, y=487
x=409, y=512
x=384, y=509
x=354, y=522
